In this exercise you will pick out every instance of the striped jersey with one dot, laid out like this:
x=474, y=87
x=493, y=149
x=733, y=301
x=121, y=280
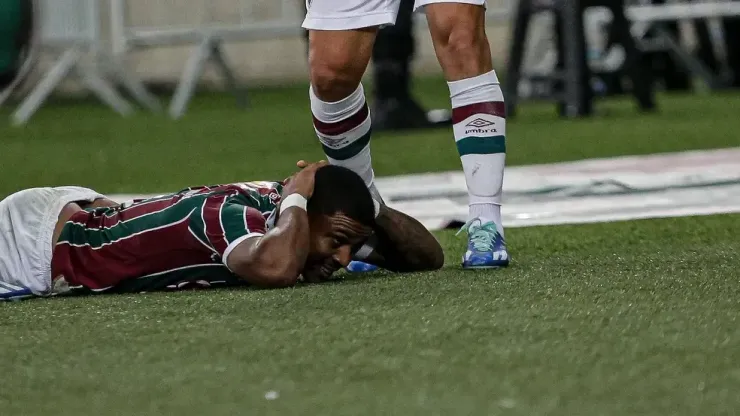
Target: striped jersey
x=170, y=241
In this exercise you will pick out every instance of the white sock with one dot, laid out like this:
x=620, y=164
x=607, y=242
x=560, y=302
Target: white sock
x=479, y=124
x=344, y=130
x=487, y=212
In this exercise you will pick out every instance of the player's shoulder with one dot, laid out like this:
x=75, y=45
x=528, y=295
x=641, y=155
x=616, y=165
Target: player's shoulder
x=265, y=188
x=263, y=195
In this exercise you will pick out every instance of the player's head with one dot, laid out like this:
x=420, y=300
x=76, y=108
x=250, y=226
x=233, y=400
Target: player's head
x=341, y=214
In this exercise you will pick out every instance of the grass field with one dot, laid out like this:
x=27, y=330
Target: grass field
x=637, y=317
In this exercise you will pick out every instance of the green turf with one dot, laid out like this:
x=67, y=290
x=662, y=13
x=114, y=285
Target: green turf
x=615, y=319
x=609, y=319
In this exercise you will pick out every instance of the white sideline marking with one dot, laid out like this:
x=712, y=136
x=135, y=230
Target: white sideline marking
x=588, y=191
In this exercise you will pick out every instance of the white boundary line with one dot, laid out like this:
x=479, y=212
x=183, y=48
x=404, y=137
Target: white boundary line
x=589, y=191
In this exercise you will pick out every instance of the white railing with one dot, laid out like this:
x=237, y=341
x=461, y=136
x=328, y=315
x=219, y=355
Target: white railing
x=68, y=22
x=71, y=30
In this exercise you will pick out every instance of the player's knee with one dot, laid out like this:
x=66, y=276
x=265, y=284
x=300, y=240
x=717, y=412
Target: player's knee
x=337, y=61
x=334, y=79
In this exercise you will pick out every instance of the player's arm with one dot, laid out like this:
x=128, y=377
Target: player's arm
x=277, y=258
x=402, y=244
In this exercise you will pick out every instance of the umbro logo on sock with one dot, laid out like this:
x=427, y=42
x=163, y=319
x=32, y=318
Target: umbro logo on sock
x=480, y=126
x=480, y=123
x=334, y=142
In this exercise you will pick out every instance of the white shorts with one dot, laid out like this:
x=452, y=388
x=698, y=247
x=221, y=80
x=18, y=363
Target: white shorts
x=358, y=14
x=27, y=221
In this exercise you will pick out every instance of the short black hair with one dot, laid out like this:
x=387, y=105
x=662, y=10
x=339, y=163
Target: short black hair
x=338, y=189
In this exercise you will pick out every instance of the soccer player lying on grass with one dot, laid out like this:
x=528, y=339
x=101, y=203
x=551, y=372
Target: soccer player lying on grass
x=268, y=234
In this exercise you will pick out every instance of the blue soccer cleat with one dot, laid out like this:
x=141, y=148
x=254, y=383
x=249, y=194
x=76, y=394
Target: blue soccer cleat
x=360, y=267
x=486, y=247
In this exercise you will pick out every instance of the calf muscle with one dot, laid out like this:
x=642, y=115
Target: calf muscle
x=459, y=36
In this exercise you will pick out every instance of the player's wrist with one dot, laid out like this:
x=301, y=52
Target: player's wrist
x=293, y=200
x=297, y=188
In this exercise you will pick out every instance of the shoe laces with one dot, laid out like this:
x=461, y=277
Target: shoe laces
x=481, y=235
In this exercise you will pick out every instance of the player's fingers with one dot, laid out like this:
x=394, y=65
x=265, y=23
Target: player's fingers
x=302, y=164
x=320, y=163
x=310, y=169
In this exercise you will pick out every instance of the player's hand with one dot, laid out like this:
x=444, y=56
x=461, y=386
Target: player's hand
x=302, y=182
x=302, y=163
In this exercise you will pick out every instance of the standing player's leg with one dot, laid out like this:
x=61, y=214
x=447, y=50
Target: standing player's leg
x=459, y=37
x=340, y=44
x=341, y=38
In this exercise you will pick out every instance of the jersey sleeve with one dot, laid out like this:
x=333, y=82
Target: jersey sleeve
x=226, y=224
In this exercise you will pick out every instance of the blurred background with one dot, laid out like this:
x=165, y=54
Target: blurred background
x=154, y=41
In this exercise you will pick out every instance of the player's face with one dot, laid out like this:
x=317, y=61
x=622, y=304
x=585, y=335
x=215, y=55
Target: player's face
x=332, y=239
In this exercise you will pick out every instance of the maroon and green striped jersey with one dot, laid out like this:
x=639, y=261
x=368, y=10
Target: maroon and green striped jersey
x=170, y=241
